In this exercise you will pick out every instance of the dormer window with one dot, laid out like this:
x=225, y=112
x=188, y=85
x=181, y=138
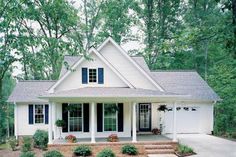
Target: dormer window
x=92, y=75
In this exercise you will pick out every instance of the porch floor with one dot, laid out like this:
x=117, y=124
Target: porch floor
x=140, y=138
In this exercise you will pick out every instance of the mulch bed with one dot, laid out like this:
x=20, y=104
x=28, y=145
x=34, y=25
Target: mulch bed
x=67, y=151
x=183, y=155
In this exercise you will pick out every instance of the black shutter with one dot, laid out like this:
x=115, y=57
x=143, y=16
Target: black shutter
x=100, y=76
x=99, y=117
x=84, y=75
x=86, y=116
x=46, y=113
x=120, y=117
x=65, y=116
x=31, y=114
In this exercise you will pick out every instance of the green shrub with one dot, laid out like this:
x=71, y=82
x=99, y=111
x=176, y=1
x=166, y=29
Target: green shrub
x=106, y=153
x=129, y=149
x=27, y=154
x=53, y=153
x=183, y=149
x=13, y=143
x=60, y=123
x=27, y=144
x=82, y=150
x=41, y=139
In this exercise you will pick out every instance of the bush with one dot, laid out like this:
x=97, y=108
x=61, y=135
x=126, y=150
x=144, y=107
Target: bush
x=13, y=143
x=53, y=153
x=82, y=150
x=106, y=153
x=27, y=144
x=183, y=149
x=129, y=149
x=60, y=123
x=27, y=154
x=41, y=139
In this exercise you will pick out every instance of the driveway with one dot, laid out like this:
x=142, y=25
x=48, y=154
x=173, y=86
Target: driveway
x=209, y=146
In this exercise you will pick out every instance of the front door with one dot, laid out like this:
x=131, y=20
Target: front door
x=144, y=117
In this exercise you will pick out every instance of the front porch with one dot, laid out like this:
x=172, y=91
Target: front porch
x=141, y=138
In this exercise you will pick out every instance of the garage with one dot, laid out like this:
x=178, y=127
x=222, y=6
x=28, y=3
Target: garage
x=187, y=117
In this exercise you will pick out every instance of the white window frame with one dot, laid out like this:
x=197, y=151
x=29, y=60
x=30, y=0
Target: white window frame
x=103, y=127
x=96, y=75
x=35, y=114
x=82, y=110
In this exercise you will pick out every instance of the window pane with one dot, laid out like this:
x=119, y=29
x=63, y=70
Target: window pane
x=75, y=117
x=38, y=112
x=110, y=119
x=92, y=75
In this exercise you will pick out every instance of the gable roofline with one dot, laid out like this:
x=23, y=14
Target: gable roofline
x=109, y=39
x=51, y=89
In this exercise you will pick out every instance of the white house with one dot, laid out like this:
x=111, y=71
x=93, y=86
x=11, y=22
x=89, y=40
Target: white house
x=113, y=79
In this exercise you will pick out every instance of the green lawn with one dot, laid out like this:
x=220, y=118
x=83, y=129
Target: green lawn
x=4, y=146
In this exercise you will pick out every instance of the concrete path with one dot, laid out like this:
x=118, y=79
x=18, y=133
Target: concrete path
x=209, y=146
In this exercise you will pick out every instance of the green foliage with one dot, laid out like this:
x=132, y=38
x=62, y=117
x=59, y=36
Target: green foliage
x=13, y=142
x=183, y=149
x=27, y=144
x=129, y=149
x=53, y=153
x=27, y=154
x=83, y=150
x=106, y=153
x=41, y=139
x=60, y=123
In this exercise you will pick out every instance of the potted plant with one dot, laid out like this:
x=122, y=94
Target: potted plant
x=71, y=139
x=156, y=131
x=113, y=138
x=60, y=123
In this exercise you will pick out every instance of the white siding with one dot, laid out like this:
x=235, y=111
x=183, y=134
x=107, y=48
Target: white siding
x=74, y=80
x=125, y=67
x=24, y=128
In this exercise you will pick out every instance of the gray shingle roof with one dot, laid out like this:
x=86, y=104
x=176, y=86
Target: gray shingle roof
x=185, y=82
x=174, y=82
x=28, y=91
x=70, y=60
x=109, y=92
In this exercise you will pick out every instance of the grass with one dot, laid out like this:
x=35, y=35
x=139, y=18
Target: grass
x=184, y=150
x=4, y=146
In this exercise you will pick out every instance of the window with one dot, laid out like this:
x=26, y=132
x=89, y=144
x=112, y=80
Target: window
x=92, y=75
x=39, y=114
x=110, y=117
x=75, y=117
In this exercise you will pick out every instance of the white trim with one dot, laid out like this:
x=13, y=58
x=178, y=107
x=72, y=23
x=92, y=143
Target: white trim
x=130, y=59
x=104, y=117
x=16, y=120
x=51, y=89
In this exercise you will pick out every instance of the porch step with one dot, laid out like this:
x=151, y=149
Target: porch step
x=158, y=147
x=160, y=151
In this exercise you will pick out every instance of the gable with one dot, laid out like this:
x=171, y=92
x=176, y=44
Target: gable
x=74, y=79
x=126, y=66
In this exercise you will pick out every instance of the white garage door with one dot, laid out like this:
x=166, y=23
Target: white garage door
x=187, y=117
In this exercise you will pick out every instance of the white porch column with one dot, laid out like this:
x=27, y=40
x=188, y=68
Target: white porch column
x=54, y=118
x=174, y=123
x=134, y=138
x=50, y=124
x=93, y=122
x=15, y=121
